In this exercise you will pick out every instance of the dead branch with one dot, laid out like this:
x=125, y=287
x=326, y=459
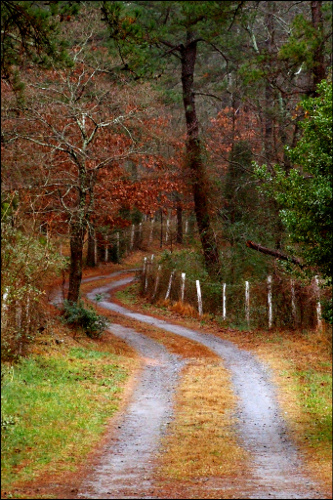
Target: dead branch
x=273, y=253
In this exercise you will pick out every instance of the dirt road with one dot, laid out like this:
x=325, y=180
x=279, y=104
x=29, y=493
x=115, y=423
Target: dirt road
x=126, y=466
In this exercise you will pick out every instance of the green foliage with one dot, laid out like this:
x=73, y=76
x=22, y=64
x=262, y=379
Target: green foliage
x=186, y=261
x=304, y=40
x=138, y=29
x=79, y=316
x=31, y=32
x=305, y=194
x=27, y=261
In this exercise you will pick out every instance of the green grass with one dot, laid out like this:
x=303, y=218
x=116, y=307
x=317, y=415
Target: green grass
x=315, y=395
x=129, y=295
x=59, y=406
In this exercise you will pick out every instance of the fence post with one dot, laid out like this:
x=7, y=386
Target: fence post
x=247, y=302
x=167, y=230
x=293, y=302
x=132, y=237
x=224, y=302
x=199, y=297
x=157, y=280
x=182, y=287
x=269, y=300
x=106, y=256
x=169, y=286
x=4, y=307
x=140, y=232
x=318, y=306
x=151, y=232
x=144, y=269
x=95, y=252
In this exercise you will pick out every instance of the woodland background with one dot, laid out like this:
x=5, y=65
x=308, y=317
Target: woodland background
x=215, y=116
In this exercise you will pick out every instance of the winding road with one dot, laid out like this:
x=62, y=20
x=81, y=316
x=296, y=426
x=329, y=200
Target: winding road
x=125, y=468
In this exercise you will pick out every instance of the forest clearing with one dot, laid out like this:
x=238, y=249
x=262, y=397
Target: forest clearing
x=166, y=215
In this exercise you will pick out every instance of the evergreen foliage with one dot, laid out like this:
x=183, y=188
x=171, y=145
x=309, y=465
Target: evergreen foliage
x=79, y=316
x=305, y=195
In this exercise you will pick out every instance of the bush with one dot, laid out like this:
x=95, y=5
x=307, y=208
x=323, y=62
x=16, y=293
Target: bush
x=79, y=316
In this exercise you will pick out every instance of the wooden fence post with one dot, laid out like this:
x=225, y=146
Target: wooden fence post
x=145, y=271
x=247, y=302
x=151, y=232
x=293, y=302
x=182, y=287
x=269, y=300
x=132, y=237
x=157, y=280
x=199, y=297
x=224, y=302
x=318, y=306
x=167, y=230
x=169, y=286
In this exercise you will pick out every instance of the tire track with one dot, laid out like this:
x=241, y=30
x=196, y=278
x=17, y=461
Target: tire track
x=277, y=467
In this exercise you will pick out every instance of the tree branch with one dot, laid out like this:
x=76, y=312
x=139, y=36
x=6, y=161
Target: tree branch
x=273, y=253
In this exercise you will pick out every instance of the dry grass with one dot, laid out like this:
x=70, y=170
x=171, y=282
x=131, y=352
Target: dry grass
x=201, y=440
x=295, y=358
x=288, y=353
x=302, y=367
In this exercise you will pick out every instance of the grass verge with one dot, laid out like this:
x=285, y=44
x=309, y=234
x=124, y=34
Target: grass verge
x=57, y=404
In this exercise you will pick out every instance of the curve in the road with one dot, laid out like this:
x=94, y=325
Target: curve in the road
x=277, y=466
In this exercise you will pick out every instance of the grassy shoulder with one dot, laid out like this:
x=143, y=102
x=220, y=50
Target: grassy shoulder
x=57, y=403
x=301, y=367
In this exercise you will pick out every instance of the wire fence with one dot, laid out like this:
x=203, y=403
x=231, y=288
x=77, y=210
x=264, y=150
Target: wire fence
x=277, y=302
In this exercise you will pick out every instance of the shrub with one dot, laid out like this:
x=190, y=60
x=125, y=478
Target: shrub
x=79, y=316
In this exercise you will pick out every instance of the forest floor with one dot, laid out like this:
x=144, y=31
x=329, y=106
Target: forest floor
x=208, y=413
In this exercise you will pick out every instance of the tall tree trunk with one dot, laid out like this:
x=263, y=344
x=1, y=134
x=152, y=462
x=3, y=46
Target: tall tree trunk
x=194, y=160
x=91, y=248
x=319, y=72
x=76, y=257
x=269, y=97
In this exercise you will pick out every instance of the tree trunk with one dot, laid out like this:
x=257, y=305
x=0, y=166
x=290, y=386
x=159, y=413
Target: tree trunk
x=194, y=160
x=91, y=249
x=319, y=72
x=269, y=97
x=76, y=257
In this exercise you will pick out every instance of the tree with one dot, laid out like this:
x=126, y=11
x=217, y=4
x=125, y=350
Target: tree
x=159, y=31
x=30, y=31
x=71, y=134
x=305, y=194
